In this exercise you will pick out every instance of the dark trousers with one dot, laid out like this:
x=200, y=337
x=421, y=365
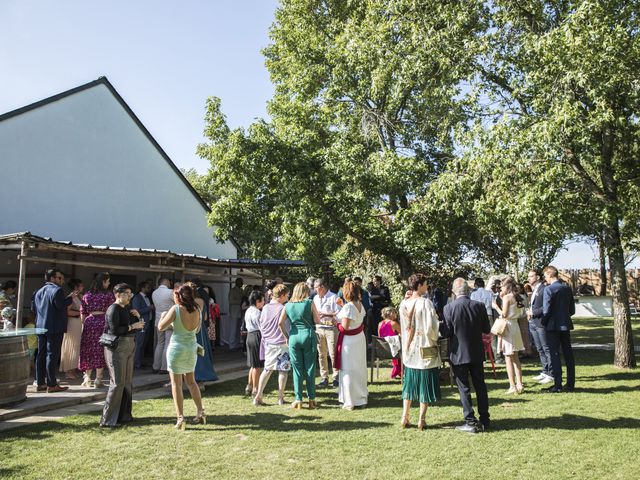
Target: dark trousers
x=117, y=406
x=461, y=373
x=539, y=336
x=561, y=340
x=49, y=347
x=143, y=337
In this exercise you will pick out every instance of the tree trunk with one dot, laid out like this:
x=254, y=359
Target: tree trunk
x=603, y=267
x=624, y=356
x=406, y=267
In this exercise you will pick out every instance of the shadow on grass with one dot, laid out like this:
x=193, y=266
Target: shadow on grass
x=617, y=376
x=267, y=421
x=566, y=421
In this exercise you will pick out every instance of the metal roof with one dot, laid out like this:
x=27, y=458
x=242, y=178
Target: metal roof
x=88, y=248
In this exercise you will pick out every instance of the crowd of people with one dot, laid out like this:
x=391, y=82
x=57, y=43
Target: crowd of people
x=316, y=325
x=287, y=330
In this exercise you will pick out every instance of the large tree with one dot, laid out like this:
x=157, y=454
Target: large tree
x=367, y=96
x=562, y=77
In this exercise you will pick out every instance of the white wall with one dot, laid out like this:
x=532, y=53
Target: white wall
x=80, y=169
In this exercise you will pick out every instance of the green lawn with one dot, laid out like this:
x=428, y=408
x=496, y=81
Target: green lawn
x=593, y=433
x=600, y=330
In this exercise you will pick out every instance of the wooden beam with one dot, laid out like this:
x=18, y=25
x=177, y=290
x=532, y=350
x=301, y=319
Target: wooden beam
x=94, y=264
x=21, y=283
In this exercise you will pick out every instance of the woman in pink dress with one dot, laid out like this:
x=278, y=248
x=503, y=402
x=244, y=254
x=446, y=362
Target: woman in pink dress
x=389, y=327
x=94, y=306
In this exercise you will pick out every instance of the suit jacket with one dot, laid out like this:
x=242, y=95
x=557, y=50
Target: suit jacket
x=138, y=303
x=50, y=306
x=558, y=307
x=536, y=306
x=465, y=321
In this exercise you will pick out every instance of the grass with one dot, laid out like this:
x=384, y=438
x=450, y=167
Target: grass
x=600, y=330
x=588, y=434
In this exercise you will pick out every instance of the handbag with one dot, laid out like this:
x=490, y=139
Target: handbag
x=429, y=353
x=109, y=340
x=200, y=350
x=500, y=327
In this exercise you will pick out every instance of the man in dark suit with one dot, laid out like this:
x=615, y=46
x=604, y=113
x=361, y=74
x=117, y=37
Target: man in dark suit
x=50, y=307
x=464, y=323
x=557, y=308
x=536, y=329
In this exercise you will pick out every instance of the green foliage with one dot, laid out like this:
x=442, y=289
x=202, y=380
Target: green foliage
x=362, y=122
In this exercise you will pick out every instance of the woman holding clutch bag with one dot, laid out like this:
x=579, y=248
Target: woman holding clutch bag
x=182, y=350
x=420, y=353
x=123, y=323
x=510, y=342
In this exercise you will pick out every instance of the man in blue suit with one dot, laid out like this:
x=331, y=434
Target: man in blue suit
x=142, y=303
x=50, y=307
x=557, y=308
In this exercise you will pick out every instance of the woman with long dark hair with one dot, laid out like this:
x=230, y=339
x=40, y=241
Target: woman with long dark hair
x=182, y=350
x=94, y=306
x=510, y=343
x=71, y=344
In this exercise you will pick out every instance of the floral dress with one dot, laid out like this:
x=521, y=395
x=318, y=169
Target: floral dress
x=91, y=352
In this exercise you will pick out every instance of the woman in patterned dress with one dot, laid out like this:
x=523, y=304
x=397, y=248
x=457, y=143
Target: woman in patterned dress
x=94, y=306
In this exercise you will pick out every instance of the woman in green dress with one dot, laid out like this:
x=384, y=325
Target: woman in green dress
x=303, y=317
x=182, y=350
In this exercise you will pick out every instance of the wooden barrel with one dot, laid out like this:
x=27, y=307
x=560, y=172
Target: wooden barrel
x=14, y=370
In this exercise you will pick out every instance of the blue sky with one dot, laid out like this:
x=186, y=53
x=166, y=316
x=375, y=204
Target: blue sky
x=164, y=57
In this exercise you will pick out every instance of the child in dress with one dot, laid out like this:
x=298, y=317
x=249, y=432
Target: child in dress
x=388, y=327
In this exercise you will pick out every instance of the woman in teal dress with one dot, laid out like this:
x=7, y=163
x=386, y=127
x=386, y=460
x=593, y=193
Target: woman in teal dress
x=302, y=315
x=182, y=350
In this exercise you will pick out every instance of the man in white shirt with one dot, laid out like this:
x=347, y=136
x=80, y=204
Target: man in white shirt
x=163, y=301
x=326, y=331
x=484, y=296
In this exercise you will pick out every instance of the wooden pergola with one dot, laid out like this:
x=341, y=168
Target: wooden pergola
x=35, y=249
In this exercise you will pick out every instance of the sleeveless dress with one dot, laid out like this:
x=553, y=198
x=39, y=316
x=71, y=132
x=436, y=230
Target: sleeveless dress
x=182, y=350
x=204, y=371
x=512, y=339
x=302, y=348
x=386, y=330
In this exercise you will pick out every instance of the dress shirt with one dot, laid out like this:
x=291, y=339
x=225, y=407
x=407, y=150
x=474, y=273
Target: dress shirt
x=485, y=297
x=324, y=305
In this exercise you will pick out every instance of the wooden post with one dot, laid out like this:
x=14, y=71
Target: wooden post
x=21, y=284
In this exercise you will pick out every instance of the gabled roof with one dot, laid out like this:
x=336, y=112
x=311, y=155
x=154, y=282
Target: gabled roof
x=104, y=81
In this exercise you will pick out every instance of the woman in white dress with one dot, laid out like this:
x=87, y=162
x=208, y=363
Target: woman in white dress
x=510, y=343
x=351, y=350
x=420, y=352
x=70, y=353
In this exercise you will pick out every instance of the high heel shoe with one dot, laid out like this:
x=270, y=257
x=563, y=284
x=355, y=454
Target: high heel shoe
x=200, y=418
x=519, y=388
x=512, y=390
x=280, y=400
x=297, y=405
x=180, y=424
x=247, y=390
x=422, y=425
x=258, y=402
x=313, y=405
x=404, y=423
